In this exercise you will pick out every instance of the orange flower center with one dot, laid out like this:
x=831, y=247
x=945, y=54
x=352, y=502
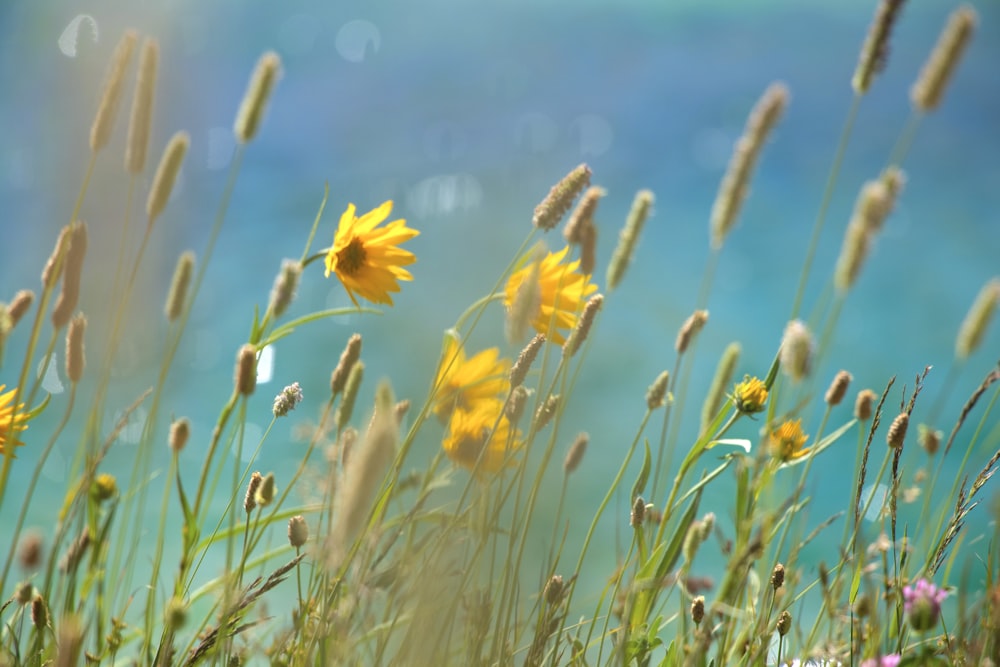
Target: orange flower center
x=352, y=257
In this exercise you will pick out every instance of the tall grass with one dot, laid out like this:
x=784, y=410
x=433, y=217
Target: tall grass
x=393, y=559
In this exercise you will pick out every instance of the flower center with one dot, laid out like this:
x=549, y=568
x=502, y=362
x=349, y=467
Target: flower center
x=470, y=446
x=352, y=257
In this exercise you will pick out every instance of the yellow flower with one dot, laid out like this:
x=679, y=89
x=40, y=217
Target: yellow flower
x=785, y=443
x=471, y=436
x=12, y=419
x=750, y=395
x=462, y=383
x=563, y=293
x=366, y=257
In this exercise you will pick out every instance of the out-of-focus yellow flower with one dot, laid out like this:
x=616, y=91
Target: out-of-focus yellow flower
x=750, y=395
x=471, y=435
x=463, y=382
x=12, y=419
x=563, y=293
x=367, y=258
x=785, y=442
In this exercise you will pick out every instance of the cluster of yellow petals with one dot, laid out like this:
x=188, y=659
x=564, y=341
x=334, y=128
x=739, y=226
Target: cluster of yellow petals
x=470, y=393
x=463, y=382
x=564, y=291
x=481, y=438
x=12, y=419
x=750, y=395
x=786, y=442
x=366, y=257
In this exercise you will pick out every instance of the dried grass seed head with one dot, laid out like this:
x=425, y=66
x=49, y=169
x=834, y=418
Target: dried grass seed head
x=527, y=301
x=72, y=276
x=628, y=239
x=784, y=624
x=656, y=395
x=583, y=325
x=180, y=432
x=166, y=175
x=796, y=350
x=57, y=260
x=285, y=285
x=107, y=110
x=638, y=513
x=864, y=404
x=257, y=95
x=75, y=358
x=698, y=609
x=349, y=357
x=583, y=215
x=778, y=576
x=575, y=454
x=546, y=411
x=929, y=88
x=588, y=249
x=346, y=408
x=250, y=499
x=875, y=51
x=929, y=438
x=561, y=197
x=514, y=409
x=736, y=182
x=897, y=430
x=519, y=371
x=973, y=330
x=692, y=326
x=298, y=531
x=266, y=491
x=286, y=401
x=29, y=552
x=19, y=305
x=838, y=388
x=177, y=296
x=141, y=118
x=245, y=380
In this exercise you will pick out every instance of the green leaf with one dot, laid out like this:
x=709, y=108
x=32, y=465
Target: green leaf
x=640, y=482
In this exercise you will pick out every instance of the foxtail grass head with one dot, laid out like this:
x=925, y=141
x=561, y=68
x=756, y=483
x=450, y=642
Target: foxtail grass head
x=257, y=96
x=973, y=330
x=166, y=175
x=628, y=239
x=736, y=182
x=177, y=296
x=107, y=110
x=561, y=198
x=796, y=350
x=141, y=118
x=929, y=88
x=875, y=51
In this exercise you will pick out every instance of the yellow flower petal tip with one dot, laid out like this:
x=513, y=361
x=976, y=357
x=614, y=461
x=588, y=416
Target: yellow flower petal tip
x=563, y=293
x=366, y=256
x=473, y=442
x=785, y=443
x=463, y=382
x=12, y=420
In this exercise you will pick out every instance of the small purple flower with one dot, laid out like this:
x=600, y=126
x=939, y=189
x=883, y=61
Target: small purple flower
x=891, y=660
x=922, y=604
x=286, y=401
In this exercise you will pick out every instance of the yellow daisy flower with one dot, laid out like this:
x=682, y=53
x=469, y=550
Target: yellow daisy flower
x=564, y=291
x=785, y=442
x=12, y=419
x=366, y=257
x=470, y=436
x=750, y=395
x=462, y=383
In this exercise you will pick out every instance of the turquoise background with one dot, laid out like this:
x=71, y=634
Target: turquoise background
x=465, y=114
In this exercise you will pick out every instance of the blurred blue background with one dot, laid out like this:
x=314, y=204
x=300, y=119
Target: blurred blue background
x=465, y=114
